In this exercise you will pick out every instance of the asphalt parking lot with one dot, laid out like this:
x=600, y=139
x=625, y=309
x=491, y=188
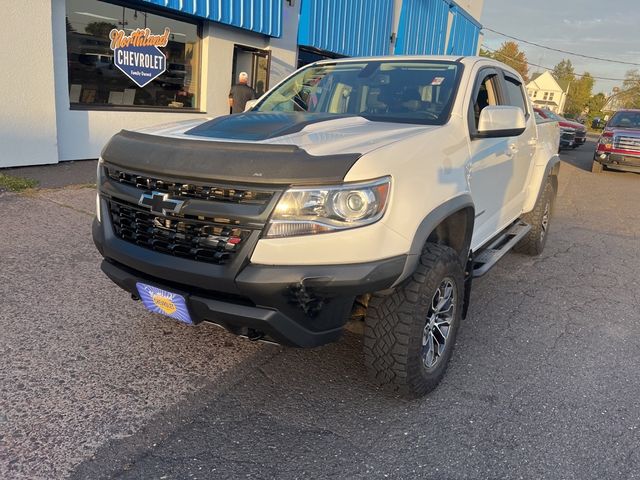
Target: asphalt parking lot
x=544, y=382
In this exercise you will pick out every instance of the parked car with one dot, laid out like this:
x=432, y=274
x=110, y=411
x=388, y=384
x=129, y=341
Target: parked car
x=385, y=184
x=580, y=129
x=619, y=144
x=567, y=135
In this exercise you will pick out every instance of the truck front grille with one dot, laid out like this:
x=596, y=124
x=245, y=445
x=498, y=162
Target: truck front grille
x=246, y=195
x=631, y=144
x=196, y=238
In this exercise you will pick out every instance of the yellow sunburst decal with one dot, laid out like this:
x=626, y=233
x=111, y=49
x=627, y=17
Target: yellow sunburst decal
x=164, y=304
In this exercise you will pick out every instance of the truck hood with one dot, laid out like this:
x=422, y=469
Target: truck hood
x=316, y=133
x=575, y=125
x=631, y=132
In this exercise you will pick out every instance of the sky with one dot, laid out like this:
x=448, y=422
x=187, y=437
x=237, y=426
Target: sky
x=600, y=28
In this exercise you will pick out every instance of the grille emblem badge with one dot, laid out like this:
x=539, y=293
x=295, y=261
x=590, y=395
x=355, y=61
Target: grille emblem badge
x=160, y=203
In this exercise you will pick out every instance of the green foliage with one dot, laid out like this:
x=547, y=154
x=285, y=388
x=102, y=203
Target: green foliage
x=595, y=104
x=99, y=29
x=510, y=54
x=16, y=184
x=579, y=88
x=630, y=95
x=579, y=94
x=564, y=73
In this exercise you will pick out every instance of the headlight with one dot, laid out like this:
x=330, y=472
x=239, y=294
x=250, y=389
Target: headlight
x=310, y=210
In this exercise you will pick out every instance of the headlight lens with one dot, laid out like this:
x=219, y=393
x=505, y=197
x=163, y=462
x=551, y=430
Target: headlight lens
x=305, y=211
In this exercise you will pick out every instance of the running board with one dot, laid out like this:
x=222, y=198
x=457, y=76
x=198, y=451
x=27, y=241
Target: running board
x=486, y=258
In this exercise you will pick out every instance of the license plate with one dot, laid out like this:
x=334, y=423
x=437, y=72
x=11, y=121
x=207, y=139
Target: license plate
x=171, y=304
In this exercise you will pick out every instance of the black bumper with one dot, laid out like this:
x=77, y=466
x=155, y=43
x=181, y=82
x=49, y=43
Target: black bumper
x=303, y=306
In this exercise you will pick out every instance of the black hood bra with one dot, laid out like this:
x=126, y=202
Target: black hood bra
x=191, y=158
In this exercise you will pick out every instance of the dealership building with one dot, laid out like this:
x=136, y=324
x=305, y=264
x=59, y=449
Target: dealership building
x=66, y=93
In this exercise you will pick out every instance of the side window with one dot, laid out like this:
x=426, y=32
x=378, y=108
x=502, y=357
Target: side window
x=487, y=95
x=516, y=95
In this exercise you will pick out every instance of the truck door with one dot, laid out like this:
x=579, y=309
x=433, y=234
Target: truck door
x=491, y=166
x=523, y=146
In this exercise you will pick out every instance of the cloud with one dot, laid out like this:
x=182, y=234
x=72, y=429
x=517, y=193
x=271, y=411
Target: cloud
x=582, y=23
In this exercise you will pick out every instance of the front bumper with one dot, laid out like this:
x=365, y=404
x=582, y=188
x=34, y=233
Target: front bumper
x=619, y=161
x=303, y=306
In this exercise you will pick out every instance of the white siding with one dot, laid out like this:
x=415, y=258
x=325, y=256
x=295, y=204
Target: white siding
x=28, y=111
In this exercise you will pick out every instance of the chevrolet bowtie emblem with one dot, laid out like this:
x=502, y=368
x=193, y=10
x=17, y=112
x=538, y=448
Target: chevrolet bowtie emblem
x=160, y=203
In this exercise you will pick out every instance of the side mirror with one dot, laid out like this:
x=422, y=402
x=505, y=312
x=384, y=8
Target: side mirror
x=501, y=121
x=250, y=104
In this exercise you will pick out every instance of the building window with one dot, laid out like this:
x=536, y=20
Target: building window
x=546, y=96
x=307, y=55
x=535, y=94
x=551, y=96
x=96, y=82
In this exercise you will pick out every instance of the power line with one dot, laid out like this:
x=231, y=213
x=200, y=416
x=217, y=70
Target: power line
x=547, y=68
x=562, y=51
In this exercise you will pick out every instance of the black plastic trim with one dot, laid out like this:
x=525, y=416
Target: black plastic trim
x=201, y=160
x=429, y=224
x=509, y=132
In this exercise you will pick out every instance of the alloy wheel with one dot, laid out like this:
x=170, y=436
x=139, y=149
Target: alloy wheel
x=438, y=324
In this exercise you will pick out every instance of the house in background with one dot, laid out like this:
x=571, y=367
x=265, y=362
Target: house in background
x=545, y=92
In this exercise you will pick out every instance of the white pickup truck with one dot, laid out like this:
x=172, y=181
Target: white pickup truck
x=380, y=186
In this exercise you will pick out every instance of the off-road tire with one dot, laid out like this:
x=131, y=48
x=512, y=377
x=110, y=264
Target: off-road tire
x=539, y=218
x=596, y=167
x=395, y=325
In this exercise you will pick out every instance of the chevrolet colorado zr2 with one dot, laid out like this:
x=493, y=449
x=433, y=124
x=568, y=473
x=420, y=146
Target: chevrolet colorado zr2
x=378, y=185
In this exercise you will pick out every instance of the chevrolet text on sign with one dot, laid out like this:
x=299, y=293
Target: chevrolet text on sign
x=137, y=55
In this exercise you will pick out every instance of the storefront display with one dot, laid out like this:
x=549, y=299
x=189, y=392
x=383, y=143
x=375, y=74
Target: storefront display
x=123, y=57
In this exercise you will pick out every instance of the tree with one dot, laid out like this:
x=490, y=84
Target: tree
x=485, y=53
x=630, y=94
x=579, y=94
x=595, y=104
x=510, y=53
x=578, y=87
x=564, y=73
x=99, y=29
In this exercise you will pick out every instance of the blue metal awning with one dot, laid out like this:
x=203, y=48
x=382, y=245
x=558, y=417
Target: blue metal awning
x=422, y=29
x=261, y=16
x=463, y=39
x=353, y=28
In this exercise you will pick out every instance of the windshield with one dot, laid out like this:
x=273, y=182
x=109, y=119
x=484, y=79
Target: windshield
x=553, y=116
x=625, y=120
x=389, y=91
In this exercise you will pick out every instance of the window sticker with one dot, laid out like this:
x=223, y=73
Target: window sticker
x=437, y=81
x=138, y=55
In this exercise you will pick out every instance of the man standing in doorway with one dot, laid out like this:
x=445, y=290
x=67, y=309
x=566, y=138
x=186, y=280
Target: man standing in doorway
x=240, y=94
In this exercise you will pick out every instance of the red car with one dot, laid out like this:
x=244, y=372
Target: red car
x=619, y=145
x=581, y=130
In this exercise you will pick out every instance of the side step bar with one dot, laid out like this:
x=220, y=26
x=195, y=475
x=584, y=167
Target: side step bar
x=486, y=258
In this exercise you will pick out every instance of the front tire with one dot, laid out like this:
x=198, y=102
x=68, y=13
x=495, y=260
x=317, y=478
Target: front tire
x=539, y=218
x=409, y=335
x=596, y=167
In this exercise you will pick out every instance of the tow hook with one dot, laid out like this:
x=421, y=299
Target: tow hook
x=254, y=335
